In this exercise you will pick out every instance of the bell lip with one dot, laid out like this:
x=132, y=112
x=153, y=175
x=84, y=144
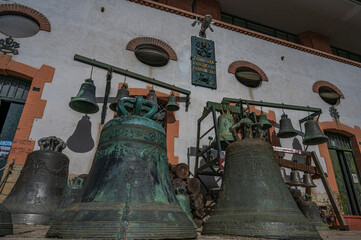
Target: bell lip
x=315, y=141
x=287, y=134
x=172, y=108
x=95, y=110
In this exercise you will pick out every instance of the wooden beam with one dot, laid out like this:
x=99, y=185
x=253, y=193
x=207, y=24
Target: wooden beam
x=300, y=166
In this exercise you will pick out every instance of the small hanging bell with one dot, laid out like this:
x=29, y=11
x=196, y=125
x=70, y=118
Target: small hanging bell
x=295, y=179
x=122, y=92
x=172, y=103
x=313, y=134
x=307, y=180
x=265, y=124
x=85, y=101
x=151, y=96
x=286, y=128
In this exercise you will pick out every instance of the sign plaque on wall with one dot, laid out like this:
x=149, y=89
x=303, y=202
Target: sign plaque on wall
x=203, y=63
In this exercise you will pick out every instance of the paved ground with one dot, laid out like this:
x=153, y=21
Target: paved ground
x=27, y=232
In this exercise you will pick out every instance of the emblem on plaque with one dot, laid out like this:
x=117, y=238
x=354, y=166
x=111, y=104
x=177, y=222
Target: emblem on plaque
x=203, y=63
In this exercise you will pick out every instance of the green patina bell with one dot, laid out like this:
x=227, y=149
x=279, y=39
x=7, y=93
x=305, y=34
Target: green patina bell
x=122, y=92
x=183, y=199
x=128, y=193
x=286, y=128
x=254, y=201
x=313, y=133
x=172, y=103
x=225, y=121
x=85, y=101
x=263, y=121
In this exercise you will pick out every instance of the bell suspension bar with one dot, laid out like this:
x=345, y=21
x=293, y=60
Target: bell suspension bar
x=124, y=72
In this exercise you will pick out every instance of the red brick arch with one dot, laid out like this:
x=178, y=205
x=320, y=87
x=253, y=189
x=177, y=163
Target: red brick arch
x=25, y=11
x=316, y=86
x=238, y=64
x=148, y=40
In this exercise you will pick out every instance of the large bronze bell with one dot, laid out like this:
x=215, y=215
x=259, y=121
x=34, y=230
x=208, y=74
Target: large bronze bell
x=122, y=92
x=311, y=212
x=128, y=193
x=254, y=201
x=85, y=101
x=172, y=104
x=313, y=133
x=286, y=128
x=39, y=188
x=225, y=121
x=6, y=225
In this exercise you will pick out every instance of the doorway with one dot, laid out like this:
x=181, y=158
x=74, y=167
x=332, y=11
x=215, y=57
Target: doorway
x=346, y=172
x=13, y=94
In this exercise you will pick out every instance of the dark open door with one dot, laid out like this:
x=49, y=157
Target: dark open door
x=346, y=172
x=13, y=93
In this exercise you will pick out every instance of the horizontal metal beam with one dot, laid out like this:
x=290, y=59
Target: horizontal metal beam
x=272, y=105
x=127, y=73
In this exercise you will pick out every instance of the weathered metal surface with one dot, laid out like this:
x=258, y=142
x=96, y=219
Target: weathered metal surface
x=254, y=201
x=311, y=212
x=6, y=225
x=183, y=199
x=313, y=134
x=85, y=101
x=128, y=193
x=39, y=188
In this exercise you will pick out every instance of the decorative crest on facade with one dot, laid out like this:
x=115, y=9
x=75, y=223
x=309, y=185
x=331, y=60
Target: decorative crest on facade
x=9, y=46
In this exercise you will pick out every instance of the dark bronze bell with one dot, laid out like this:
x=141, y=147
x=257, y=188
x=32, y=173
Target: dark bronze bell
x=307, y=180
x=265, y=124
x=39, y=188
x=254, y=201
x=172, y=103
x=85, y=101
x=122, y=92
x=128, y=193
x=225, y=121
x=311, y=212
x=151, y=96
x=313, y=134
x=295, y=179
x=286, y=128
x=6, y=225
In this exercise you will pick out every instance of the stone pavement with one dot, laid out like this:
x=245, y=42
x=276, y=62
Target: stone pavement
x=27, y=232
